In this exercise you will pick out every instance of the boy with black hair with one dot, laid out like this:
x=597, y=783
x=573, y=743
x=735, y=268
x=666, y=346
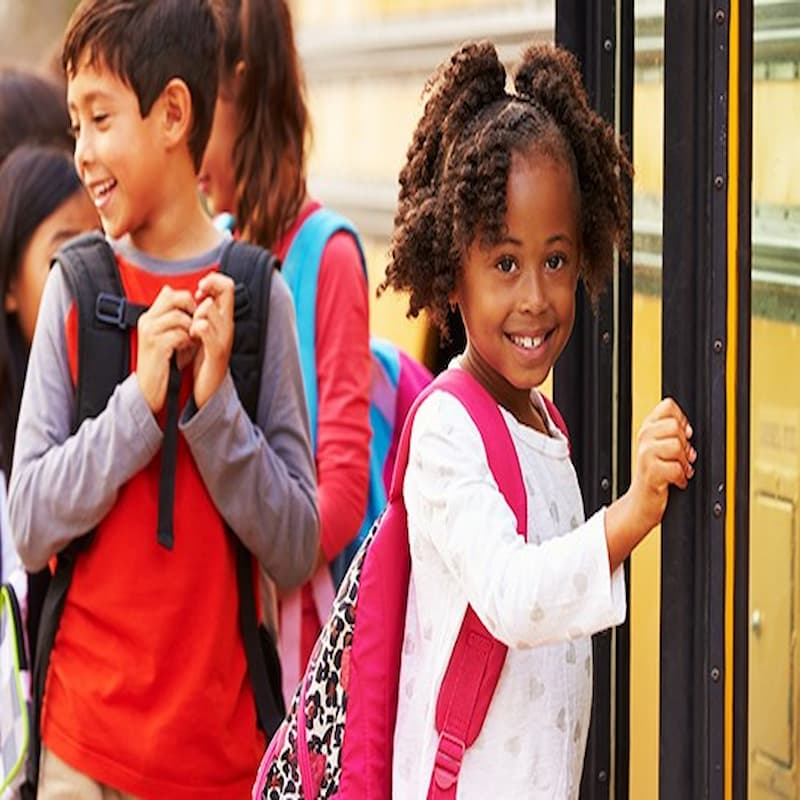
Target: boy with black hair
x=147, y=690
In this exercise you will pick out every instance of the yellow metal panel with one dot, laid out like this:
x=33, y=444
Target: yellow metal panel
x=773, y=700
x=645, y=606
x=774, y=679
x=772, y=572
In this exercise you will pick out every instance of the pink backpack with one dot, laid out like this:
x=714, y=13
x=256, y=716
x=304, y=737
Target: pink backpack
x=337, y=738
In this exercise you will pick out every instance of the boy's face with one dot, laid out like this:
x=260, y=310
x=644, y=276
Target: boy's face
x=117, y=152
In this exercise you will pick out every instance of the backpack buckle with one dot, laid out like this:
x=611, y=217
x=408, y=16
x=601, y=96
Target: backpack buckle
x=447, y=763
x=110, y=309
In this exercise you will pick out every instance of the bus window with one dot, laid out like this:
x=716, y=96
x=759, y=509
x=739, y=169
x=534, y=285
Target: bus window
x=774, y=673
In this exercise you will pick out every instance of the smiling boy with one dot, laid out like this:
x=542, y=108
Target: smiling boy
x=147, y=689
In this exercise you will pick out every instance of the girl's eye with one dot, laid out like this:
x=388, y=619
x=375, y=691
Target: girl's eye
x=98, y=119
x=555, y=262
x=506, y=264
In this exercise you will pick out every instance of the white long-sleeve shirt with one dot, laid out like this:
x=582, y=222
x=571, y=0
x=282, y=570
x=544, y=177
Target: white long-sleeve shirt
x=543, y=598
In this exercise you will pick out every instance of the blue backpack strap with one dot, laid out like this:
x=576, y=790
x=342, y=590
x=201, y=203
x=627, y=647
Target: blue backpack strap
x=301, y=272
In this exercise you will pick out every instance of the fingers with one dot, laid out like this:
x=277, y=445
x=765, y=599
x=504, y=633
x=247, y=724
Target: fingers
x=208, y=320
x=665, y=462
x=162, y=330
x=214, y=313
x=673, y=434
x=212, y=325
x=220, y=288
x=169, y=299
x=669, y=409
x=665, y=453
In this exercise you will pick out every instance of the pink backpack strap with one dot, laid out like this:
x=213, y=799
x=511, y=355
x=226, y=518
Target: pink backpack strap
x=477, y=658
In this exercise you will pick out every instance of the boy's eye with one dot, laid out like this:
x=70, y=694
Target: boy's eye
x=554, y=262
x=99, y=118
x=506, y=264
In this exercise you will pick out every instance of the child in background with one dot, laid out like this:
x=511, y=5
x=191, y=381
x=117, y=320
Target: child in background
x=254, y=167
x=33, y=110
x=42, y=204
x=147, y=690
x=507, y=199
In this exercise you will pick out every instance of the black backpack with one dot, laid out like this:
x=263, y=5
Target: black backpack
x=104, y=319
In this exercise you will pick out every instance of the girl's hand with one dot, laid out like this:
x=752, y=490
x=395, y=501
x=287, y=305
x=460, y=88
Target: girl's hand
x=163, y=329
x=664, y=456
x=212, y=326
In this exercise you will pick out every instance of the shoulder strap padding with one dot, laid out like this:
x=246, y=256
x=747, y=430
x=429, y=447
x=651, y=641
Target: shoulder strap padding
x=251, y=268
x=90, y=267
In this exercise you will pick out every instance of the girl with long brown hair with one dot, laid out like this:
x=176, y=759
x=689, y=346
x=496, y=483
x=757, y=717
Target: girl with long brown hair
x=255, y=169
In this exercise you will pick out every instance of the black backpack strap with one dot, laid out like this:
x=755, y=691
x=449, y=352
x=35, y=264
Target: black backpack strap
x=251, y=269
x=90, y=271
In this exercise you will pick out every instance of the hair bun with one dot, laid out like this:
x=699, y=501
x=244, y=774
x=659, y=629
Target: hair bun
x=551, y=77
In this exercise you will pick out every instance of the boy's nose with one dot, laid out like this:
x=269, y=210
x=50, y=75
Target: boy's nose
x=82, y=153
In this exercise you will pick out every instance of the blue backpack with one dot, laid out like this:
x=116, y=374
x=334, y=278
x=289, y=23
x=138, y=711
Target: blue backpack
x=396, y=377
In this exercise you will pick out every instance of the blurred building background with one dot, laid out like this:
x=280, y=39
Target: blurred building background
x=30, y=30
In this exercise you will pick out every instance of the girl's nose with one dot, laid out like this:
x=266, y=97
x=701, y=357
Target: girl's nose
x=533, y=296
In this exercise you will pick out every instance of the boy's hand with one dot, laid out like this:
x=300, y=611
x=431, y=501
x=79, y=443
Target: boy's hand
x=664, y=456
x=163, y=329
x=212, y=326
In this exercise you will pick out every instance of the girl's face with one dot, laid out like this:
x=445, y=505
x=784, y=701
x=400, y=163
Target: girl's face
x=216, y=179
x=75, y=215
x=517, y=298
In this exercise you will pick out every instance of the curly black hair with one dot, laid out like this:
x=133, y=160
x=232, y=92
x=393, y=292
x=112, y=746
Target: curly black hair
x=453, y=185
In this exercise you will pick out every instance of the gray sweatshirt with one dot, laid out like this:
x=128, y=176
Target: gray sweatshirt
x=259, y=476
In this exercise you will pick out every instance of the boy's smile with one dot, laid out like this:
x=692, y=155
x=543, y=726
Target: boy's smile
x=517, y=298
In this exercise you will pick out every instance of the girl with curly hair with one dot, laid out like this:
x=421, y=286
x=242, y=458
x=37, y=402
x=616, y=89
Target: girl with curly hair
x=507, y=199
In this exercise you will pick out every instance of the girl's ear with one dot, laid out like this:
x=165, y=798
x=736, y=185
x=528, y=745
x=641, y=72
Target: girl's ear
x=10, y=302
x=176, y=111
x=238, y=73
